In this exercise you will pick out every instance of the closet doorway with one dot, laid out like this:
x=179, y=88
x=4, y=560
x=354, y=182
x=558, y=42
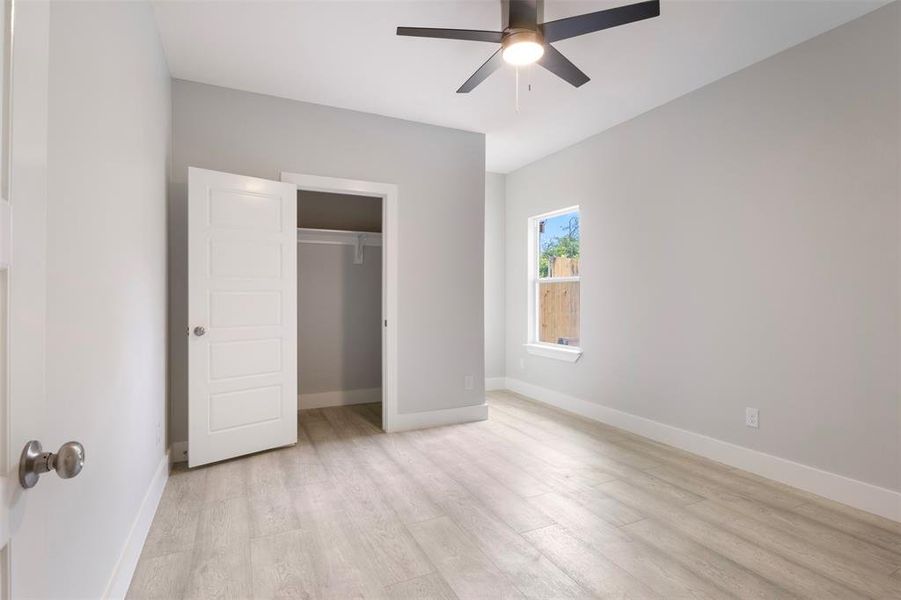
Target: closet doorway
x=347, y=298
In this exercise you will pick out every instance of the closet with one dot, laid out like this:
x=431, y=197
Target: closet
x=339, y=299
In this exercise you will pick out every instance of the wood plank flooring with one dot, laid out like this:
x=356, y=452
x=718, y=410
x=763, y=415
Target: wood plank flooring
x=533, y=503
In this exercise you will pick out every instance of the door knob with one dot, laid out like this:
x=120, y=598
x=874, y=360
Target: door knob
x=67, y=462
x=199, y=331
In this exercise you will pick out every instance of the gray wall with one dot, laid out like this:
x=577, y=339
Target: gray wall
x=108, y=135
x=495, y=283
x=349, y=212
x=741, y=248
x=339, y=314
x=440, y=173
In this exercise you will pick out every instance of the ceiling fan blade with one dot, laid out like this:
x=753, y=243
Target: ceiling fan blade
x=491, y=65
x=522, y=14
x=560, y=66
x=472, y=35
x=562, y=29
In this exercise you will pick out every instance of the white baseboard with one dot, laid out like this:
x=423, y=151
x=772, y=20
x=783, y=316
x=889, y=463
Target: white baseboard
x=436, y=418
x=339, y=398
x=128, y=559
x=494, y=383
x=178, y=452
x=871, y=498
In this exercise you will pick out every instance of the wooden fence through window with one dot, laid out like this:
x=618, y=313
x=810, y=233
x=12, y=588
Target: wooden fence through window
x=559, y=304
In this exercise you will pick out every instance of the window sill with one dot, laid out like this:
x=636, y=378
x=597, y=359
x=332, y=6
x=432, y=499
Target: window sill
x=565, y=353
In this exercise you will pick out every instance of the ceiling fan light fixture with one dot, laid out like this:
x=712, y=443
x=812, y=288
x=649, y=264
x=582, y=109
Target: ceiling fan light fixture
x=522, y=48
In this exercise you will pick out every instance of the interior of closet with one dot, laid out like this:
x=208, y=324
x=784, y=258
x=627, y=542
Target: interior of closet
x=339, y=299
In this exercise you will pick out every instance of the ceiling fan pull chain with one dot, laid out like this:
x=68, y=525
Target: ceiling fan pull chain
x=517, y=88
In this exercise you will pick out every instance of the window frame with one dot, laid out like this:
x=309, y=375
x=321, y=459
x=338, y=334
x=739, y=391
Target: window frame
x=533, y=344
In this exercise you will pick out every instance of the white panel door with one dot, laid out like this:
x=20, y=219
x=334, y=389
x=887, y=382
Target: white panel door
x=242, y=315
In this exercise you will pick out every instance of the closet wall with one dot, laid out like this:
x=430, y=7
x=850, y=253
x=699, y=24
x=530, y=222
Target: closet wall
x=328, y=210
x=339, y=310
x=339, y=341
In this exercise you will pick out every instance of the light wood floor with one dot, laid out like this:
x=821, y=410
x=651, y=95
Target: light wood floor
x=532, y=503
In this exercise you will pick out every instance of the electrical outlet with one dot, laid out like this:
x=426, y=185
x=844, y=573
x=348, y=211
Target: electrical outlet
x=752, y=417
x=468, y=382
x=159, y=432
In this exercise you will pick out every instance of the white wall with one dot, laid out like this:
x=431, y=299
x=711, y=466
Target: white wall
x=339, y=319
x=440, y=174
x=109, y=127
x=495, y=276
x=741, y=248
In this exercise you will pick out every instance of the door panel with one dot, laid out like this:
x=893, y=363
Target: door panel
x=245, y=309
x=242, y=288
x=245, y=358
x=247, y=260
x=237, y=210
x=236, y=409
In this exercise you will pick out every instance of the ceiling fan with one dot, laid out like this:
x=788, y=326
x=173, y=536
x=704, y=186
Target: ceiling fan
x=525, y=41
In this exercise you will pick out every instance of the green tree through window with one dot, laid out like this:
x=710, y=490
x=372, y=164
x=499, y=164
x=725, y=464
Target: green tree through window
x=565, y=245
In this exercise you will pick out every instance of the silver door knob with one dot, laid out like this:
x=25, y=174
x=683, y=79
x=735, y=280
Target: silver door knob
x=199, y=331
x=67, y=462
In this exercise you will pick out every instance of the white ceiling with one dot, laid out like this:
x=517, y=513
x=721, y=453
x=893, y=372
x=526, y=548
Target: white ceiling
x=346, y=54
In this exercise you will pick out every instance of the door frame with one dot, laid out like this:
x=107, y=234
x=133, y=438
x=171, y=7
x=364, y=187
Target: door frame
x=388, y=192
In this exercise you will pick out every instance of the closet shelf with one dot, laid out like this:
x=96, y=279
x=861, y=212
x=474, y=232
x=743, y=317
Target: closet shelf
x=340, y=237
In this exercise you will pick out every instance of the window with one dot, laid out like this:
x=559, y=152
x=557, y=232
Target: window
x=554, y=281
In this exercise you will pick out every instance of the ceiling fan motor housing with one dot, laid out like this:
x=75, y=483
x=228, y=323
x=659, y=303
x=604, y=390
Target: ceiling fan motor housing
x=516, y=36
